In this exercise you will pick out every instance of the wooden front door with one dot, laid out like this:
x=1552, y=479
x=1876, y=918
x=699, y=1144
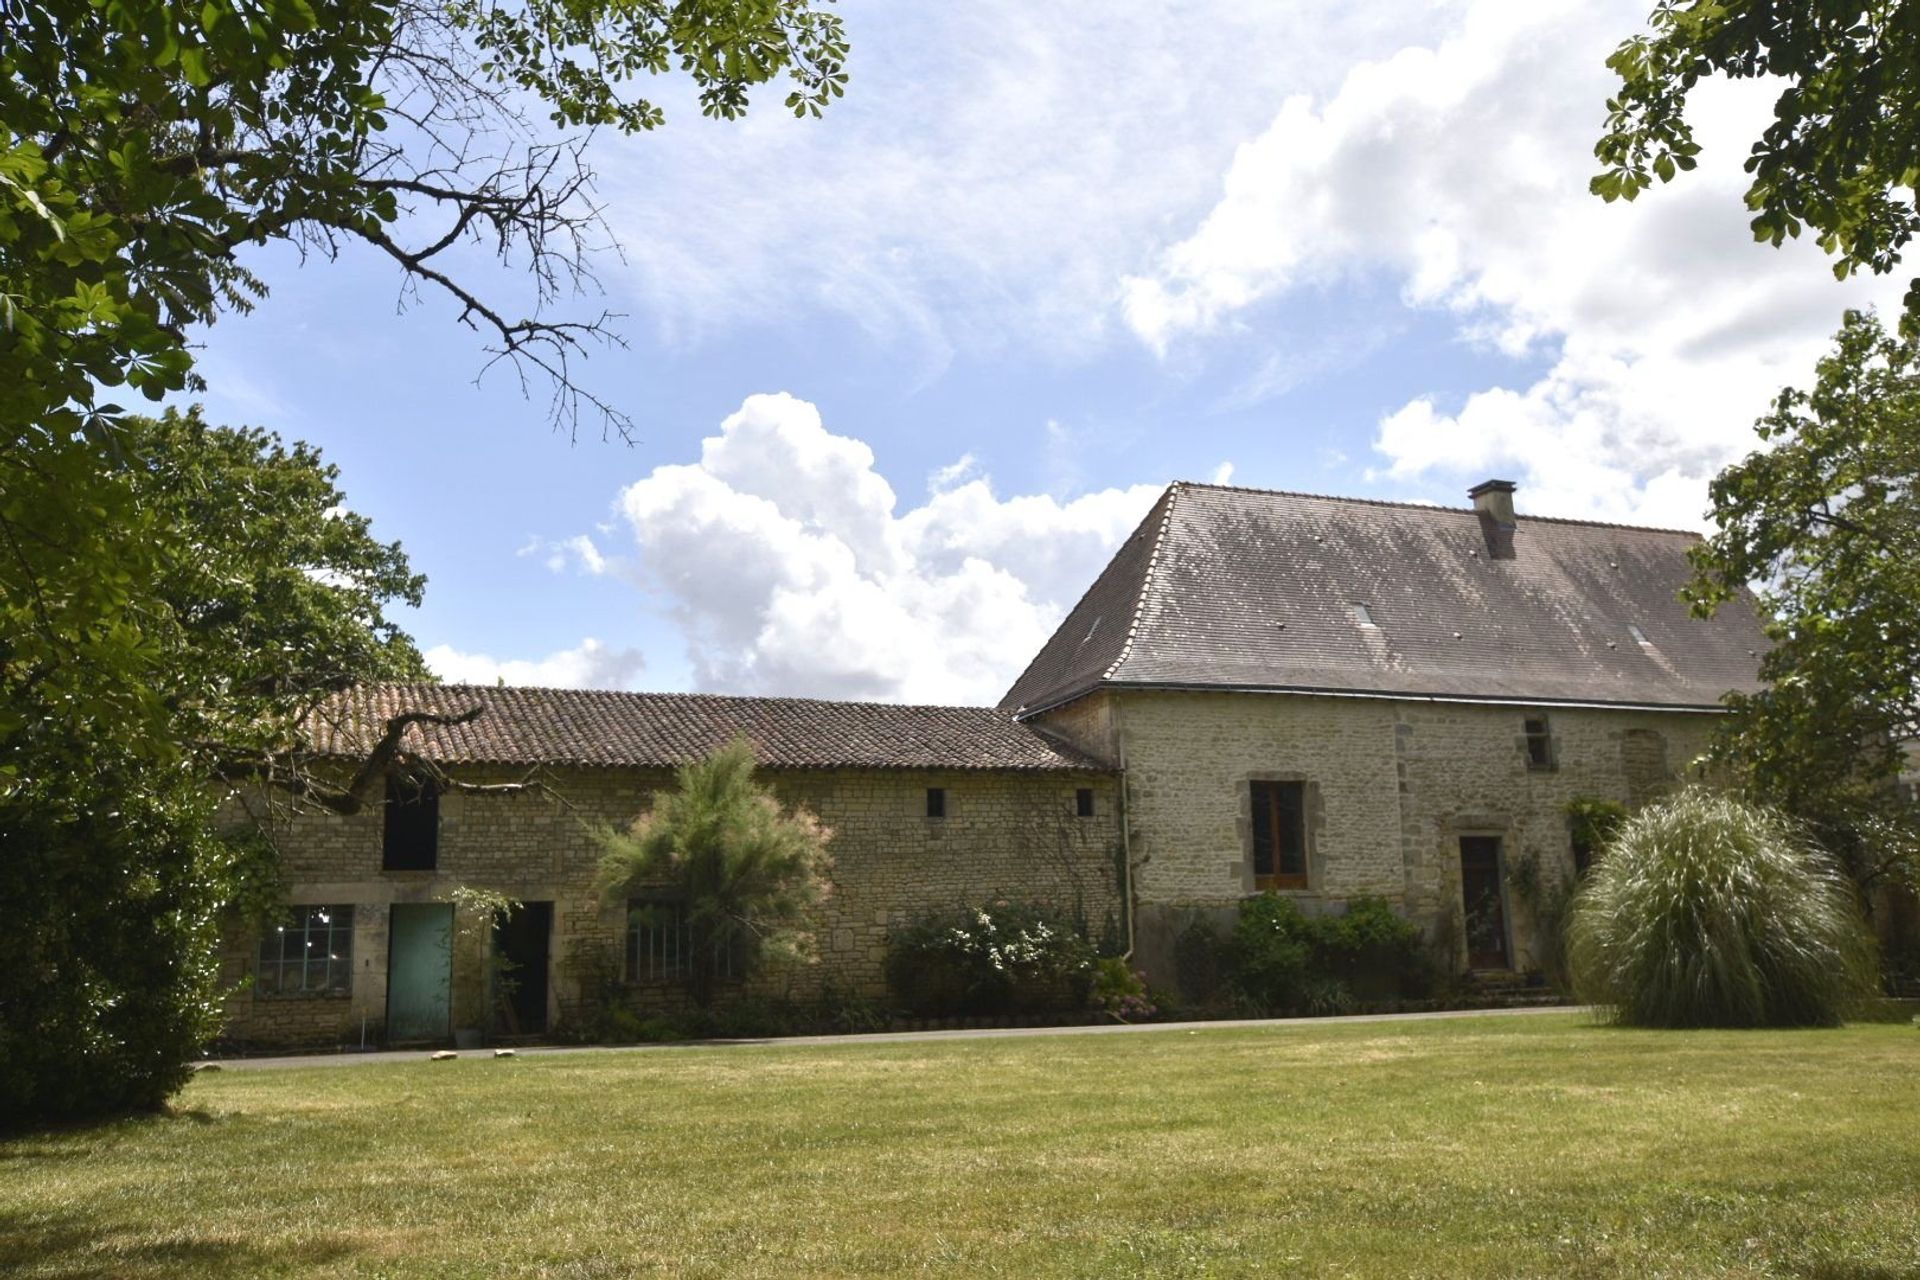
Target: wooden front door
x=420, y=971
x=1485, y=902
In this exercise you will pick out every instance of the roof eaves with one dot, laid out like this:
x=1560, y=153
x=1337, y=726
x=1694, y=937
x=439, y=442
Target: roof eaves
x=1070, y=761
x=1388, y=695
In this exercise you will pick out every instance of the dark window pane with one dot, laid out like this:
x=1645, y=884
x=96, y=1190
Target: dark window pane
x=1539, y=744
x=1291, y=835
x=411, y=838
x=1083, y=802
x=1263, y=828
x=936, y=802
x=313, y=953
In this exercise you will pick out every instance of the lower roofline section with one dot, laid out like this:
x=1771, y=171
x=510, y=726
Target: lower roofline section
x=1304, y=691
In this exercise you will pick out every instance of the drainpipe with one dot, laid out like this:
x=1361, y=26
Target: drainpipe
x=1126, y=831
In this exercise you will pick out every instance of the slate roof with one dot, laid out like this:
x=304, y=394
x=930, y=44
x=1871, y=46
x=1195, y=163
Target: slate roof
x=526, y=726
x=1225, y=587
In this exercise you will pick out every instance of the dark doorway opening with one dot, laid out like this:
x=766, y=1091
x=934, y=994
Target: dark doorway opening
x=522, y=942
x=1485, y=901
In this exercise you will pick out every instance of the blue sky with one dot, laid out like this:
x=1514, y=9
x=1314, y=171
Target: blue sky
x=904, y=376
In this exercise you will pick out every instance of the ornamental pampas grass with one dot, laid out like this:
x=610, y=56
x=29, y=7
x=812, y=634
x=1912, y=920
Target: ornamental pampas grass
x=1709, y=912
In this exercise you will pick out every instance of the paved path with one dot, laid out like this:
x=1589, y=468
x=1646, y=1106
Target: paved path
x=883, y=1037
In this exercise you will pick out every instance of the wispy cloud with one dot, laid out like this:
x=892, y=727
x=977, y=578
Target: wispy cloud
x=993, y=172
x=589, y=665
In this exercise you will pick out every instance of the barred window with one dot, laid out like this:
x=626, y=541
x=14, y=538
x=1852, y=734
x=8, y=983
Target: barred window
x=656, y=941
x=660, y=945
x=311, y=954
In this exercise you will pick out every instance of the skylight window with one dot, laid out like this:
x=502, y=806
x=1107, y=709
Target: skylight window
x=1639, y=636
x=1363, y=615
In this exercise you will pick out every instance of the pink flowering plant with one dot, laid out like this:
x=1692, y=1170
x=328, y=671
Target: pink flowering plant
x=1121, y=990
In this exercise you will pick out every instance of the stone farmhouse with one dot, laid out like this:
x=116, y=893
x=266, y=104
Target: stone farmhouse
x=1321, y=697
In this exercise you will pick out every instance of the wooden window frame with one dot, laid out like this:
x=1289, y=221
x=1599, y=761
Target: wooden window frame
x=285, y=963
x=1544, y=761
x=1267, y=794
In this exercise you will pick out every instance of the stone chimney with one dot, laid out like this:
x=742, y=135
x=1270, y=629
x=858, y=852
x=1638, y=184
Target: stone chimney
x=1494, y=498
x=1493, y=503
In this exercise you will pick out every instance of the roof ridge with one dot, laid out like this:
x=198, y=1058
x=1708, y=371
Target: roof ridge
x=1170, y=499
x=452, y=685
x=1426, y=506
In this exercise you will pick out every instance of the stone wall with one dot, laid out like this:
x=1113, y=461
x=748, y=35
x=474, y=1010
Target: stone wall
x=1005, y=834
x=1390, y=788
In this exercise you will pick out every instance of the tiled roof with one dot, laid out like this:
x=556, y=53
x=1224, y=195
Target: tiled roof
x=520, y=726
x=1240, y=588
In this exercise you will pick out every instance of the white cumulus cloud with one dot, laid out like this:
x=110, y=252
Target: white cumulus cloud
x=589, y=665
x=790, y=569
x=1461, y=169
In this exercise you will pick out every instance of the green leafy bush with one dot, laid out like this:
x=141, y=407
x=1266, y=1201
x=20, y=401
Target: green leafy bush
x=1592, y=823
x=1287, y=961
x=989, y=959
x=1709, y=912
x=1121, y=990
x=1201, y=962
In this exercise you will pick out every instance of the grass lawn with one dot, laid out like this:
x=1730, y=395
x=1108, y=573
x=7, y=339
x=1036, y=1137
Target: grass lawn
x=1483, y=1147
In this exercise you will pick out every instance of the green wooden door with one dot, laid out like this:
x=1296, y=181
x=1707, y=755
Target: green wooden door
x=420, y=971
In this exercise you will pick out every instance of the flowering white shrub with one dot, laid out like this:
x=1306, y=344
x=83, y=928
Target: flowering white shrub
x=988, y=959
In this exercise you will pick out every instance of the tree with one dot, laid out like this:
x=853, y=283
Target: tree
x=188, y=607
x=1826, y=521
x=1843, y=147
x=148, y=142
x=745, y=874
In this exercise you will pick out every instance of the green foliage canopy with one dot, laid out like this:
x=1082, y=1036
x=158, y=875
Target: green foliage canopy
x=1826, y=520
x=148, y=142
x=174, y=615
x=1843, y=149
x=748, y=874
